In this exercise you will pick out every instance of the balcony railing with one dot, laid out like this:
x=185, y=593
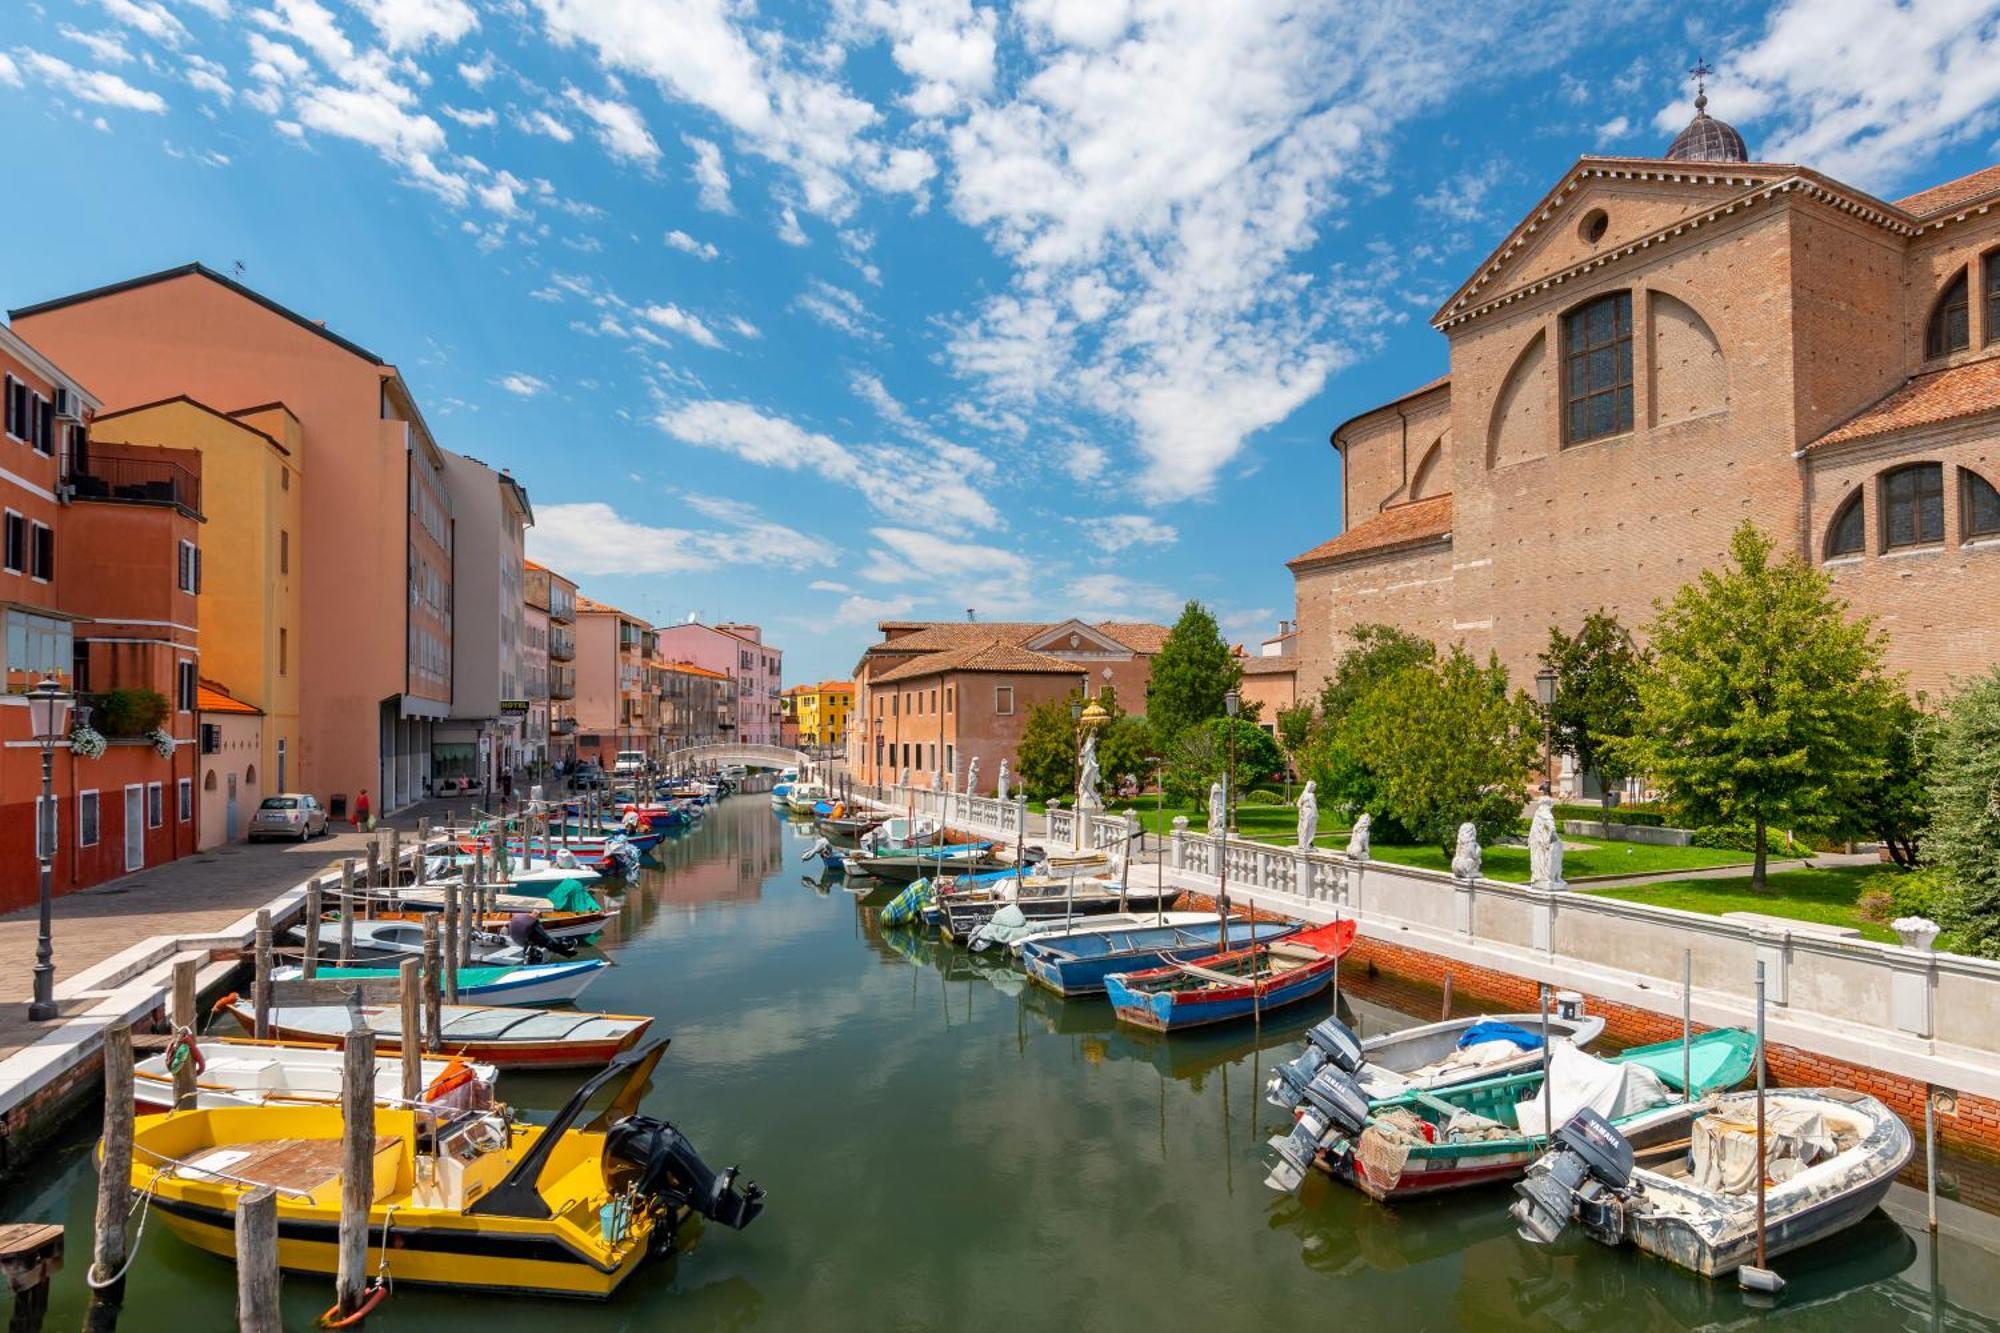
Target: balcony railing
x=561, y=726
x=138, y=480
x=562, y=645
x=562, y=684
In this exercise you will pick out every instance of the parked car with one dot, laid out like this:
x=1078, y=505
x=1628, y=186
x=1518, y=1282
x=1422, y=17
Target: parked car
x=631, y=763
x=587, y=777
x=291, y=814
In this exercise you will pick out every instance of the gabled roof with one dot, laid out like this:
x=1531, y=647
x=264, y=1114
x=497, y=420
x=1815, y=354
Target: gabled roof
x=1951, y=194
x=993, y=655
x=1929, y=399
x=1270, y=666
x=1399, y=526
x=230, y=418
x=198, y=270
x=210, y=697
x=937, y=635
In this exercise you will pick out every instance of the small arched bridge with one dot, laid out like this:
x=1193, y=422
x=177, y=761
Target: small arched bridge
x=730, y=752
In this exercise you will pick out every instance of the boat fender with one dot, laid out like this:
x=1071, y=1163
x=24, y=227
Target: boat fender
x=182, y=1049
x=223, y=1003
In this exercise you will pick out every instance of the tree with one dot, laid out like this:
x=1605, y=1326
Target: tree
x=1764, y=703
x=1295, y=726
x=1046, y=756
x=1895, y=806
x=1597, y=693
x=1446, y=743
x=1378, y=652
x=1124, y=744
x=1334, y=755
x=1201, y=756
x=1192, y=672
x=1964, y=833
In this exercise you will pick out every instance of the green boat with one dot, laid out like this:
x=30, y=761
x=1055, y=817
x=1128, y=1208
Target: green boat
x=1424, y=1142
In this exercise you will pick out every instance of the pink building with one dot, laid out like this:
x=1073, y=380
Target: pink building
x=739, y=652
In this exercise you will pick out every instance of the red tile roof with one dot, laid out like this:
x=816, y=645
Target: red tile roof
x=930, y=636
x=993, y=655
x=210, y=697
x=1925, y=400
x=1270, y=666
x=1952, y=193
x=1400, y=525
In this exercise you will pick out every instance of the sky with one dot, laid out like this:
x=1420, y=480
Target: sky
x=818, y=314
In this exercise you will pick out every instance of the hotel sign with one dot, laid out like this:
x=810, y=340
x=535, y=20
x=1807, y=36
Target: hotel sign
x=513, y=708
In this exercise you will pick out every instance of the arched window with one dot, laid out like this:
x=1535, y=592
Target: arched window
x=1847, y=536
x=1949, y=330
x=1597, y=368
x=1913, y=505
x=1978, y=505
x=208, y=783
x=250, y=776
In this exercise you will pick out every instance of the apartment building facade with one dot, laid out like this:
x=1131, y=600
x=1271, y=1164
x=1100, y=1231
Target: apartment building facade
x=617, y=707
x=553, y=598
x=755, y=668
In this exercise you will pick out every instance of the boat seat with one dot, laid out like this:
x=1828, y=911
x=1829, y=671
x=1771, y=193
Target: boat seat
x=292, y=1166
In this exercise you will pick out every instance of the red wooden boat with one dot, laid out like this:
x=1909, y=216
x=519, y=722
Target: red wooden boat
x=1239, y=984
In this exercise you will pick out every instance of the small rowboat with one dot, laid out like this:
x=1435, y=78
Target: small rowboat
x=534, y=983
x=562, y=925
x=257, y=1073
x=1239, y=984
x=903, y=866
x=1078, y=964
x=507, y=1038
x=1436, y=1055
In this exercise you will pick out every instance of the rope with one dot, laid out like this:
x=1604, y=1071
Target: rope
x=145, y=1210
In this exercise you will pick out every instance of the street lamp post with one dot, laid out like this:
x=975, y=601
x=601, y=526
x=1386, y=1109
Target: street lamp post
x=48, y=714
x=1545, y=690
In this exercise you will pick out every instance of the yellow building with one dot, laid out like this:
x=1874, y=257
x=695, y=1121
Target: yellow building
x=251, y=584
x=822, y=712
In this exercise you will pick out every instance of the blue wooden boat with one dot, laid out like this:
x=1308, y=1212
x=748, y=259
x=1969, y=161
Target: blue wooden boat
x=1078, y=964
x=1223, y=987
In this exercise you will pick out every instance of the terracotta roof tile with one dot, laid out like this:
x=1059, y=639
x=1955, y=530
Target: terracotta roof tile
x=1951, y=193
x=1270, y=666
x=929, y=636
x=1925, y=400
x=592, y=604
x=1401, y=525
x=993, y=655
x=210, y=697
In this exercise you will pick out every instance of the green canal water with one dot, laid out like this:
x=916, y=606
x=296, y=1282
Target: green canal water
x=946, y=1148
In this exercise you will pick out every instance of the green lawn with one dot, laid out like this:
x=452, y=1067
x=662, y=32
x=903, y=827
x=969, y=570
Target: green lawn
x=1594, y=857
x=1826, y=896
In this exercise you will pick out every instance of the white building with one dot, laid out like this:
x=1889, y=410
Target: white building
x=487, y=729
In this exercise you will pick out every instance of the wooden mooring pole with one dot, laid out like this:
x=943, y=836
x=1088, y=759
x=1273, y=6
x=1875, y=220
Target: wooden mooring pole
x=260, y=984
x=1446, y=1013
x=433, y=1016
x=315, y=908
x=411, y=972
x=183, y=1018
x=31, y=1253
x=357, y=1173
x=114, y=1179
x=395, y=858
x=347, y=912
x=257, y=1280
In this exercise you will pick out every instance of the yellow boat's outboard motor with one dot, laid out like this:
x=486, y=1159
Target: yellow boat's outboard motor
x=653, y=1158
x=1584, y=1178
x=1331, y=1042
x=1334, y=1105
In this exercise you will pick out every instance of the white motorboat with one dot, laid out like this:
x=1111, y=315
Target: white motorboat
x=535, y=983
x=255, y=1073
x=392, y=941
x=1830, y=1155
x=1436, y=1055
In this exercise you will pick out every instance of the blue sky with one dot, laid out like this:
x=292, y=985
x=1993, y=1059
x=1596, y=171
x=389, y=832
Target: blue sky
x=822, y=313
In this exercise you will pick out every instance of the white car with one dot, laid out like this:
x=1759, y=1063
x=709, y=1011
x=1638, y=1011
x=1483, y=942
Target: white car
x=630, y=764
x=289, y=814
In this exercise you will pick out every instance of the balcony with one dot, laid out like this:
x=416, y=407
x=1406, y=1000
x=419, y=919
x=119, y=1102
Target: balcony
x=137, y=481
x=562, y=683
x=561, y=726
x=562, y=645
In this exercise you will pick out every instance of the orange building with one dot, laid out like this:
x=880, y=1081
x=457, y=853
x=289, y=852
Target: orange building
x=617, y=699
x=375, y=654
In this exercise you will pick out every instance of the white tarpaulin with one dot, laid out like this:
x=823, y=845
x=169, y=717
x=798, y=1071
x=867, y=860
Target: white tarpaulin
x=1725, y=1145
x=1577, y=1080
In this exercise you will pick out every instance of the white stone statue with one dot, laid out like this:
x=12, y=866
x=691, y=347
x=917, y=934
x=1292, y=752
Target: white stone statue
x=1087, y=776
x=1003, y=779
x=906, y=775
x=1217, y=813
x=1308, y=816
x=1545, y=847
x=1465, y=862
x=1357, y=841
x=972, y=777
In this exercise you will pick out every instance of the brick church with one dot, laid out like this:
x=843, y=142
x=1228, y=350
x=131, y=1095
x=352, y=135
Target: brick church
x=1662, y=348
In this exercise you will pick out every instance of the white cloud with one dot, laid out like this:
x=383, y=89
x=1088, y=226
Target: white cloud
x=744, y=328
x=993, y=579
x=478, y=72
x=774, y=543
x=828, y=585
x=837, y=308
x=207, y=76
x=150, y=17
x=687, y=244
x=859, y=610
x=541, y=122
x=523, y=386
x=711, y=178
x=1618, y=127
x=1867, y=91
x=673, y=319
x=592, y=538
x=1113, y=533
x=413, y=24
x=91, y=85
x=1115, y=597
x=1462, y=196
x=869, y=388
x=472, y=119
x=789, y=230
x=107, y=47
x=10, y=73
x=620, y=127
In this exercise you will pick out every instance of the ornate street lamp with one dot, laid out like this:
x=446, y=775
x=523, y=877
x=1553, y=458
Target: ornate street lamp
x=48, y=715
x=1545, y=691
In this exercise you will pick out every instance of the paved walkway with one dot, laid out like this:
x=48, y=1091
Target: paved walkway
x=1818, y=861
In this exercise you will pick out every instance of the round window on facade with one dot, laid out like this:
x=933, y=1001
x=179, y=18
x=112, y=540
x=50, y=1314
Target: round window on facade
x=1593, y=226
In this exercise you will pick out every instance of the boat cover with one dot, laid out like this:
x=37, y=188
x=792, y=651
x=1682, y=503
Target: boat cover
x=1724, y=1147
x=1578, y=1080
x=571, y=896
x=1510, y=1032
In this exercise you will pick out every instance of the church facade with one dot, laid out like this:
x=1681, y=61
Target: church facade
x=1661, y=349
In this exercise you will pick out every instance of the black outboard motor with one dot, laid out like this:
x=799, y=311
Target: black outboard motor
x=1331, y=1042
x=530, y=936
x=657, y=1159
x=1585, y=1177
x=1335, y=1105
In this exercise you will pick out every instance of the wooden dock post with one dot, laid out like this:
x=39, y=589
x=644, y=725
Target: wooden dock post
x=374, y=864
x=315, y=908
x=357, y=1172
x=433, y=1015
x=114, y=1174
x=184, y=1019
x=468, y=922
x=31, y=1253
x=411, y=973
x=1446, y=1012
x=260, y=985
x=395, y=857
x=257, y=1280
x=347, y=912
x=423, y=845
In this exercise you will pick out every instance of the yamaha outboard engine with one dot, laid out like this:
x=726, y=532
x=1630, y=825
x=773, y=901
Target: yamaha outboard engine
x=1584, y=1178
x=1331, y=1042
x=1334, y=1105
x=656, y=1159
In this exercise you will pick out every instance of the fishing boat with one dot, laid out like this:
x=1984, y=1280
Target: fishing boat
x=523, y=876
x=1830, y=1155
x=569, y=897
x=901, y=867
x=1010, y=927
x=562, y=925
x=505, y=1037
x=1422, y=1142
x=382, y=941
x=471, y=1201
x=1242, y=983
x=260, y=1073
x=961, y=912
x=526, y=983
x=1436, y=1055
x=1078, y=964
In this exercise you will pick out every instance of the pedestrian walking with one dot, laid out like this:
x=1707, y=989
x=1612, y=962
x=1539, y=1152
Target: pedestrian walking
x=364, y=818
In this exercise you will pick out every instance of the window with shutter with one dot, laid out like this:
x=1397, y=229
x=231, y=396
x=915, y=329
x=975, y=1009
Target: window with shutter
x=15, y=429
x=44, y=551
x=14, y=551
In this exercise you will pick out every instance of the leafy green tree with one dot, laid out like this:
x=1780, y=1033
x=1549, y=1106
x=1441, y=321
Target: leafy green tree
x=1295, y=726
x=1597, y=694
x=1447, y=742
x=1192, y=672
x=1046, y=756
x=1201, y=756
x=1378, y=652
x=1894, y=807
x=1335, y=755
x=1123, y=746
x=1964, y=833
x=1764, y=704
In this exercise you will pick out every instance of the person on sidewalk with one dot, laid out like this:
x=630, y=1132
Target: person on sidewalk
x=363, y=816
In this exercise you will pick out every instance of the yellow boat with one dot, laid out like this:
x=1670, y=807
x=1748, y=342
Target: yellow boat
x=466, y=1199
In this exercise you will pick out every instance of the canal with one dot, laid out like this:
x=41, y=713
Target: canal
x=946, y=1147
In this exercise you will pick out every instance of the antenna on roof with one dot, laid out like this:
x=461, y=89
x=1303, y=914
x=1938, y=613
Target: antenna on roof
x=969, y=615
x=236, y=269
